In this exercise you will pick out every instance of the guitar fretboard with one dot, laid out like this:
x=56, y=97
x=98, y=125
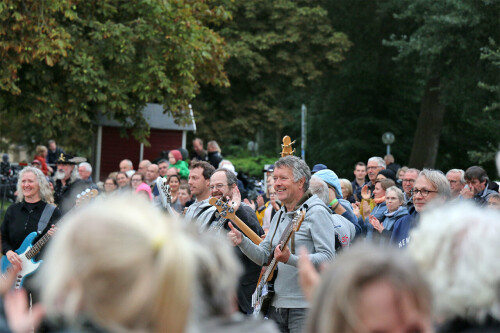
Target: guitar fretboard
x=37, y=247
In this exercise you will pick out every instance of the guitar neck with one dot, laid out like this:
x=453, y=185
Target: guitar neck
x=38, y=246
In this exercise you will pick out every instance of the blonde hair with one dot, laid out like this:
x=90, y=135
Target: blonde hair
x=334, y=308
x=40, y=150
x=43, y=185
x=457, y=246
x=347, y=184
x=120, y=263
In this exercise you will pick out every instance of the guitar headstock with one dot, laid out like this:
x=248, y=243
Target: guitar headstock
x=298, y=218
x=86, y=196
x=225, y=210
x=286, y=146
x=164, y=190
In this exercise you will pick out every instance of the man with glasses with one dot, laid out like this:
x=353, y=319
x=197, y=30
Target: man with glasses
x=457, y=181
x=223, y=185
x=430, y=186
x=408, y=182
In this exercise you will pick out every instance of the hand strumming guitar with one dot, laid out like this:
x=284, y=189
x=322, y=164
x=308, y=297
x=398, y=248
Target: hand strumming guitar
x=282, y=255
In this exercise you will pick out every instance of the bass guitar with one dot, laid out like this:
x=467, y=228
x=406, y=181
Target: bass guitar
x=227, y=212
x=264, y=293
x=27, y=251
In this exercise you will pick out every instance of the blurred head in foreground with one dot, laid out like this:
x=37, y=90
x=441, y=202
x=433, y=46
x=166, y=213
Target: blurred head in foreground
x=457, y=248
x=370, y=289
x=121, y=265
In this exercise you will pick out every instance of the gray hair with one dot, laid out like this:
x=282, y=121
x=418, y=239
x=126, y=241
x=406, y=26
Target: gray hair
x=299, y=168
x=456, y=247
x=438, y=179
x=319, y=187
x=380, y=161
x=44, y=189
x=231, y=177
x=336, y=300
x=398, y=192
x=460, y=171
x=218, y=274
x=413, y=170
x=86, y=165
x=348, y=186
x=129, y=162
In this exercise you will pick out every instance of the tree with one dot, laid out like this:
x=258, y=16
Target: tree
x=444, y=47
x=277, y=49
x=64, y=62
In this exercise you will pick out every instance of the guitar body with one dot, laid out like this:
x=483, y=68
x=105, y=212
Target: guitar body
x=29, y=266
x=263, y=296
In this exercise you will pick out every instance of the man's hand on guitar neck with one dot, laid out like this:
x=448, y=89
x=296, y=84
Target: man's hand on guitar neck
x=234, y=236
x=282, y=255
x=52, y=230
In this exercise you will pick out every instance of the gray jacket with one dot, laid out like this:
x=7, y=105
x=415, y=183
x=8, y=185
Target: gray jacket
x=200, y=212
x=316, y=234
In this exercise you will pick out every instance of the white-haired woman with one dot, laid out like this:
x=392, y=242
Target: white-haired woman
x=116, y=265
x=383, y=227
x=457, y=249
x=22, y=218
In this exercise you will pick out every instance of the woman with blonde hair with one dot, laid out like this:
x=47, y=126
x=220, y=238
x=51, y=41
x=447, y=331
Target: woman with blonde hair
x=117, y=265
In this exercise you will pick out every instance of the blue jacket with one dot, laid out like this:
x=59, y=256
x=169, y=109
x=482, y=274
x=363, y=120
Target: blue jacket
x=388, y=222
x=378, y=212
x=400, y=235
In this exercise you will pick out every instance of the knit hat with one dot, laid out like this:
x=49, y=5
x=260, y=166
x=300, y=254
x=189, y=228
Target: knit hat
x=144, y=187
x=176, y=154
x=331, y=178
x=318, y=167
x=388, y=173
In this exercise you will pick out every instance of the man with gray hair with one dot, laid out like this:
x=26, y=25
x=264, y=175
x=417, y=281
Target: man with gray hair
x=344, y=229
x=374, y=165
x=85, y=172
x=457, y=181
x=430, y=186
x=291, y=182
x=127, y=167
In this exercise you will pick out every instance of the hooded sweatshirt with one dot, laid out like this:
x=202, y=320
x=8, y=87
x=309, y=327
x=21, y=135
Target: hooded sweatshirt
x=316, y=234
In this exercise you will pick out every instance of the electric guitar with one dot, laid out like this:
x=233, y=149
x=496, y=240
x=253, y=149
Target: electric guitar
x=227, y=212
x=165, y=194
x=27, y=251
x=264, y=293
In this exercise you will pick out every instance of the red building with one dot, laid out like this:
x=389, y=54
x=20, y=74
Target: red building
x=111, y=147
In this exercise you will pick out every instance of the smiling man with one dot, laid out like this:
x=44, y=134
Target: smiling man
x=223, y=185
x=430, y=186
x=199, y=184
x=291, y=182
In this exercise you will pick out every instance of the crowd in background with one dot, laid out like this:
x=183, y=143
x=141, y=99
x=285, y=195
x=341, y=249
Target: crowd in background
x=413, y=250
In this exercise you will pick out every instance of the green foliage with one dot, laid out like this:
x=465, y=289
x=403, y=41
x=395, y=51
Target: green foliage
x=64, y=62
x=277, y=48
x=251, y=165
x=451, y=40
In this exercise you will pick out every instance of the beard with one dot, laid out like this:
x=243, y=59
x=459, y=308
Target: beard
x=60, y=175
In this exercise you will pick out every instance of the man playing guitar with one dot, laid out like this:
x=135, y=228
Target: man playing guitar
x=291, y=182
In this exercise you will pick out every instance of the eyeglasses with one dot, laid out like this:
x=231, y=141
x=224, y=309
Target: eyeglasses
x=409, y=180
x=372, y=168
x=423, y=192
x=218, y=186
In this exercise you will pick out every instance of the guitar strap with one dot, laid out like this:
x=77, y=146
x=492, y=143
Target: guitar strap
x=45, y=218
x=274, y=233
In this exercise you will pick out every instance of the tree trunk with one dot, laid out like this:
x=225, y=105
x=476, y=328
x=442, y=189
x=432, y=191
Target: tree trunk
x=429, y=126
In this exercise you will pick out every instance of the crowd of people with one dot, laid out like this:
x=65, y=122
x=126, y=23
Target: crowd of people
x=396, y=249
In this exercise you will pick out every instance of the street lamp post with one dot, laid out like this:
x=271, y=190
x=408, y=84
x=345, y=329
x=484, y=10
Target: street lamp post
x=388, y=139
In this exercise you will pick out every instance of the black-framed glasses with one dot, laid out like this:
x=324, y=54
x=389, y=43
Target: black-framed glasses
x=218, y=186
x=424, y=192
